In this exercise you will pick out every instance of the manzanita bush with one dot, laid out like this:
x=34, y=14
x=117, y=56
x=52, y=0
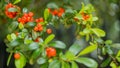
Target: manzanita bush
x=33, y=41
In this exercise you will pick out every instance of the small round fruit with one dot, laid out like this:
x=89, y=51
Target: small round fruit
x=51, y=52
x=49, y=31
x=17, y=55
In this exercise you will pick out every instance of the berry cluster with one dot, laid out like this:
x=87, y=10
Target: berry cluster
x=11, y=14
x=39, y=20
x=51, y=52
x=27, y=17
x=38, y=27
x=57, y=12
x=85, y=16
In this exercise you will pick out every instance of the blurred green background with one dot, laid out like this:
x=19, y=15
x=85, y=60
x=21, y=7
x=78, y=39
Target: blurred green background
x=108, y=12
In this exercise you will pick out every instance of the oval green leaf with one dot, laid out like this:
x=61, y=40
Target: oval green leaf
x=87, y=62
x=41, y=60
x=58, y=44
x=98, y=32
x=74, y=65
x=54, y=64
x=88, y=49
x=75, y=48
x=49, y=38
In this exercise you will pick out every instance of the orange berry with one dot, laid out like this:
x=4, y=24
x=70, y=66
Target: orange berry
x=39, y=25
x=37, y=39
x=86, y=17
x=62, y=10
x=17, y=56
x=41, y=20
x=35, y=28
x=37, y=20
x=59, y=14
x=30, y=14
x=49, y=31
x=55, y=12
x=40, y=28
x=51, y=52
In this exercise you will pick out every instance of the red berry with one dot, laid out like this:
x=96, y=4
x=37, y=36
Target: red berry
x=17, y=56
x=51, y=52
x=40, y=28
x=86, y=17
x=41, y=19
x=37, y=39
x=55, y=12
x=62, y=10
x=59, y=14
x=30, y=14
x=39, y=25
x=35, y=28
x=37, y=20
x=49, y=31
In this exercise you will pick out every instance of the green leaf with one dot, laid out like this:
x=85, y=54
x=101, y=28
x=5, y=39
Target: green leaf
x=87, y=62
x=116, y=45
x=88, y=49
x=45, y=65
x=65, y=65
x=75, y=48
x=27, y=40
x=69, y=55
x=43, y=53
x=25, y=10
x=98, y=32
x=13, y=36
x=113, y=65
x=49, y=38
x=16, y=1
x=9, y=37
x=74, y=65
x=12, y=26
x=54, y=64
x=106, y=62
x=86, y=31
x=94, y=18
x=21, y=26
x=12, y=9
x=35, y=54
x=34, y=34
x=109, y=50
x=46, y=14
x=108, y=42
x=20, y=63
x=118, y=56
x=33, y=46
x=41, y=60
x=30, y=24
x=15, y=43
x=103, y=50
x=58, y=44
